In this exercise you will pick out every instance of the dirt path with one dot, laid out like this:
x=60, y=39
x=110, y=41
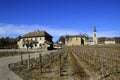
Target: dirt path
x=72, y=70
x=92, y=75
x=78, y=72
x=66, y=68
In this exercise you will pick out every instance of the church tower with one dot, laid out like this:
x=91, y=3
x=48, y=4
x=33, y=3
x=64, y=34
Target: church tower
x=95, y=36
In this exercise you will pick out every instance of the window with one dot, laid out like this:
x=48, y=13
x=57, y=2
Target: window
x=23, y=45
x=36, y=45
x=40, y=45
x=76, y=38
x=23, y=39
x=35, y=39
x=31, y=39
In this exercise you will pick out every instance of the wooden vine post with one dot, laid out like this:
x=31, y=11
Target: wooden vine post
x=21, y=59
x=102, y=66
x=40, y=63
x=116, y=63
x=35, y=56
x=95, y=56
x=60, y=63
x=89, y=59
x=28, y=61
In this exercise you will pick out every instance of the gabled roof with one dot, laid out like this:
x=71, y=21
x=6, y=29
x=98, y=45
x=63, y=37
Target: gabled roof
x=37, y=34
x=70, y=36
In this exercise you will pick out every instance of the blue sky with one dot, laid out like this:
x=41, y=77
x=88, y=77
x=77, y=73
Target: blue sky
x=60, y=17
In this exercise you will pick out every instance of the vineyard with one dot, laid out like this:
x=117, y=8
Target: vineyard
x=13, y=52
x=72, y=63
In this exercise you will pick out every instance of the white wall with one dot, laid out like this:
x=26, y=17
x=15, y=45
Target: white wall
x=109, y=42
x=40, y=40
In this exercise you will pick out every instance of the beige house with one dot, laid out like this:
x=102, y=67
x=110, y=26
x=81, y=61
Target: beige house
x=36, y=40
x=75, y=40
x=81, y=39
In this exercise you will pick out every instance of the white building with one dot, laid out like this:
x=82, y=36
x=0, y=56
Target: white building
x=90, y=42
x=36, y=40
x=109, y=41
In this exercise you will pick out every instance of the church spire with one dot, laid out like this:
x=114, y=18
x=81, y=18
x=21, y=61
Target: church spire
x=95, y=36
x=94, y=29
